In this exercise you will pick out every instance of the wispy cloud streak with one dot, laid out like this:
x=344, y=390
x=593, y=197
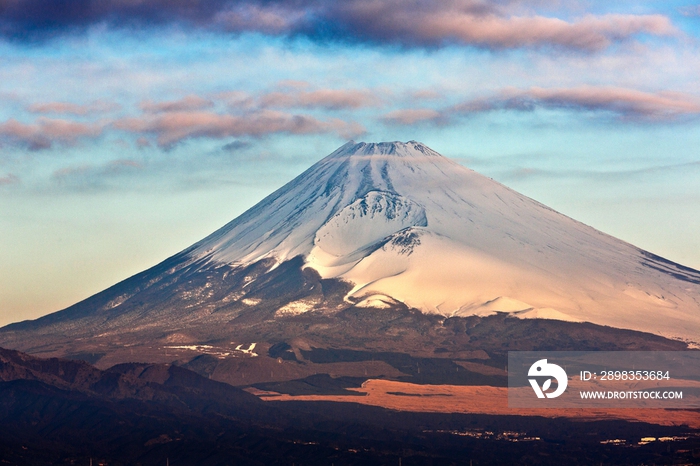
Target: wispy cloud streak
x=412, y=116
x=627, y=104
x=332, y=99
x=69, y=108
x=187, y=103
x=9, y=179
x=621, y=103
x=46, y=131
x=172, y=128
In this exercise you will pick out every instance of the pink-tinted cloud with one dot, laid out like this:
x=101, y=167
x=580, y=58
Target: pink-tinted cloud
x=69, y=108
x=332, y=99
x=187, y=103
x=8, y=179
x=45, y=132
x=412, y=116
x=166, y=123
x=419, y=22
x=485, y=104
x=237, y=100
x=425, y=94
x=625, y=103
x=171, y=128
x=622, y=103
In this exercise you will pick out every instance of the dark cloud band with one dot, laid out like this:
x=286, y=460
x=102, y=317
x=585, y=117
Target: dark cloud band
x=409, y=23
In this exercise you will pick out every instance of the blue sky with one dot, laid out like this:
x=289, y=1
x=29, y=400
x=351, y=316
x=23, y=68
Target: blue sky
x=130, y=129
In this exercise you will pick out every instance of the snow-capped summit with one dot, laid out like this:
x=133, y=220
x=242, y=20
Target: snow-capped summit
x=402, y=223
x=285, y=223
x=388, y=225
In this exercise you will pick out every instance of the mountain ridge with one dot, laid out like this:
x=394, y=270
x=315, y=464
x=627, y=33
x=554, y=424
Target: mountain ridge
x=409, y=188
x=391, y=226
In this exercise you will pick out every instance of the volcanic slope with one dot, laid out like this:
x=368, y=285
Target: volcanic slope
x=386, y=225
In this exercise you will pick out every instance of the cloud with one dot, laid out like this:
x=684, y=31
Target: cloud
x=190, y=102
x=412, y=116
x=120, y=165
x=69, y=172
x=270, y=19
x=293, y=84
x=73, y=109
x=238, y=100
x=405, y=22
x=42, y=19
x=425, y=94
x=626, y=104
x=331, y=99
x=691, y=11
x=45, y=132
x=8, y=179
x=235, y=146
x=32, y=19
x=172, y=128
x=92, y=175
x=520, y=173
x=622, y=103
x=220, y=115
x=420, y=22
x=250, y=116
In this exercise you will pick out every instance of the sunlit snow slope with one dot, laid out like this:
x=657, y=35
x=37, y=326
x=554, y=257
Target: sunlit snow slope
x=401, y=222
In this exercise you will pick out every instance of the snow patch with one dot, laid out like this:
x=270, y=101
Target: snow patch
x=116, y=301
x=295, y=308
x=499, y=304
x=377, y=301
x=241, y=349
x=248, y=351
x=544, y=313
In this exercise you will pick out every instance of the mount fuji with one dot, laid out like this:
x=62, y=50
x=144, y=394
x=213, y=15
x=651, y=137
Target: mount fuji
x=377, y=228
